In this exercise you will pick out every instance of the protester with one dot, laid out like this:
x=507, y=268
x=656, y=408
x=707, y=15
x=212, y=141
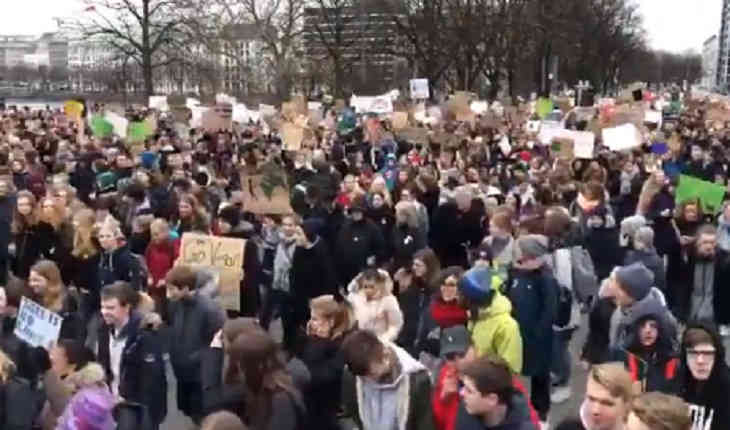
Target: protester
x=384, y=385
x=608, y=397
x=373, y=304
x=704, y=382
x=359, y=243
x=84, y=266
x=48, y=290
x=194, y=320
x=117, y=262
x=329, y=323
x=488, y=399
x=92, y=404
x=658, y=411
x=493, y=330
x=32, y=238
x=160, y=256
x=222, y=420
x=130, y=352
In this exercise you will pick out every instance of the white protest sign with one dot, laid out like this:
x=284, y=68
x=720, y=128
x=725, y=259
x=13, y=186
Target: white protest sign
x=653, y=116
x=504, y=146
x=532, y=126
x=479, y=107
x=267, y=110
x=191, y=103
x=419, y=89
x=583, y=143
x=159, y=103
x=119, y=123
x=221, y=98
x=37, y=325
x=548, y=131
x=367, y=104
x=241, y=114
x=625, y=136
x=197, y=119
x=314, y=105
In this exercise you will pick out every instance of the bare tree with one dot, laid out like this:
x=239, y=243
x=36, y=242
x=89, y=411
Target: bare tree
x=138, y=28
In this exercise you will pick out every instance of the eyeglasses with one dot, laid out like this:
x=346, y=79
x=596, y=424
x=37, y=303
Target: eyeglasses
x=706, y=354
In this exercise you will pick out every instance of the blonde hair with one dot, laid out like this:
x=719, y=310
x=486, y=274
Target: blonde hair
x=84, y=244
x=339, y=313
x=90, y=375
x=615, y=379
x=660, y=411
x=7, y=368
x=56, y=218
x=378, y=185
x=159, y=224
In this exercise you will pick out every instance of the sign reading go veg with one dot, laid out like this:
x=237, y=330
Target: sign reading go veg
x=221, y=254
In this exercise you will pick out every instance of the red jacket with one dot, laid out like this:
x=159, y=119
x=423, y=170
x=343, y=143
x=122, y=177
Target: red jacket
x=447, y=314
x=160, y=257
x=445, y=409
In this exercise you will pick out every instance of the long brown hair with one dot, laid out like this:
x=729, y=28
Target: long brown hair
x=256, y=358
x=433, y=266
x=55, y=292
x=22, y=222
x=56, y=217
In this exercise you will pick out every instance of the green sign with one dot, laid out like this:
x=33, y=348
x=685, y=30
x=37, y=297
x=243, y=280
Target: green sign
x=138, y=131
x=101, y=127
x=544, y=107
x=709, y=194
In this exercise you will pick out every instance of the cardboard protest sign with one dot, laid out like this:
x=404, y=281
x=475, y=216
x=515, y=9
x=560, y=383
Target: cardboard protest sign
x=563, y=147
x=159, y=103
x=458, y=105
x=419, y=89
x=218, y=118
x=222, y=254
x=181, y=114
x=709, y=194
x=565, y=104
x=100, y=127
x=399, y=120
x=176, y=100
x=548, y=131
x=292, y=136
x=717, y=114
x=36, y=325
x=266, y=190
x=414, y=135
x=625, y=136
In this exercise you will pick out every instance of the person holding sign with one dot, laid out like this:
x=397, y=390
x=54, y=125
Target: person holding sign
x=194, y=319
x=130, y=352
x=48, y=290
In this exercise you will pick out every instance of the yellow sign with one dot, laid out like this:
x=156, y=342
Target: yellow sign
x=222, y=254
x=73, y=109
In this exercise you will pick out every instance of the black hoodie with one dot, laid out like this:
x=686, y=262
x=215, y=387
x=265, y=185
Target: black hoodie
x=518, y=417
x=709, y=401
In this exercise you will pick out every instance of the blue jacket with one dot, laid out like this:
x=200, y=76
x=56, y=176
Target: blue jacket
x=534, y=297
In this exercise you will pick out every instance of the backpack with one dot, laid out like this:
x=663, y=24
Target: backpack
x=585, y=281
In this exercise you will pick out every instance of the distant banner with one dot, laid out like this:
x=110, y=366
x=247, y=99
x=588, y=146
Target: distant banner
x=419, y=89
x=379, y=104
x=37, y=325
x=222, y=254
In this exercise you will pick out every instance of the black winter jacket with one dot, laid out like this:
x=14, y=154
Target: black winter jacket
x=142, y=369
x=357, y=241
x=193, y=323
x=322, y=397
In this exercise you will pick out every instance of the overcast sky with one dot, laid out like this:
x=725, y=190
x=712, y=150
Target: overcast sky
x=674, y=25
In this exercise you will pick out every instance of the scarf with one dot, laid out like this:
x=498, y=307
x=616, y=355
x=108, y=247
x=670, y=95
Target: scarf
x=626, y=179
x=282, y=265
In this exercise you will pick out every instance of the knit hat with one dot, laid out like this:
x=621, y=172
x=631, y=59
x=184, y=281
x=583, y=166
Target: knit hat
x=635, y=279
x=629, y=227
x=532, y=246
x=476, y=285
x=311, y=228
x=454, y=340
x=230, y=214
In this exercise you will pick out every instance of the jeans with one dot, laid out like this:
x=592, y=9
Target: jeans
x=561, y=356
x=540, y=394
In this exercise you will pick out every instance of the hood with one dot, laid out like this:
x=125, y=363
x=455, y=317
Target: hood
x=718, y=386
x=352, y=287
x=407, y=363
x=500, y=305
x=665, y=344
x=518, y=414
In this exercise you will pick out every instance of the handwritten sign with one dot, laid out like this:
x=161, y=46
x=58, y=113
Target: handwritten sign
x=222, y=254
x=37, y=325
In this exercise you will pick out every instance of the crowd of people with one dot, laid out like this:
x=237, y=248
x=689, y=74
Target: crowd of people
x=419, y=285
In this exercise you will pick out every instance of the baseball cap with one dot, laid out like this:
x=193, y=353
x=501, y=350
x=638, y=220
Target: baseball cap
x=454, y=340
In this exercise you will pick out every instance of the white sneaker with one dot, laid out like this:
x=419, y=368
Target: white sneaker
x=560, y=394
x=724, y=330
x=545, y=425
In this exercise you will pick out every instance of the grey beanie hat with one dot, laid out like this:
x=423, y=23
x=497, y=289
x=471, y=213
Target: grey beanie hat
x=630, y=225
x=532, y=246
x=635, y=279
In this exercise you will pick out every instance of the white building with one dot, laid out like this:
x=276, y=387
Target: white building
x=48, y=49
x=710, y=50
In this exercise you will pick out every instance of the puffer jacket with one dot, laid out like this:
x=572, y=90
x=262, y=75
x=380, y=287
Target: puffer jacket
x=382, y=315
x=495, y=332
